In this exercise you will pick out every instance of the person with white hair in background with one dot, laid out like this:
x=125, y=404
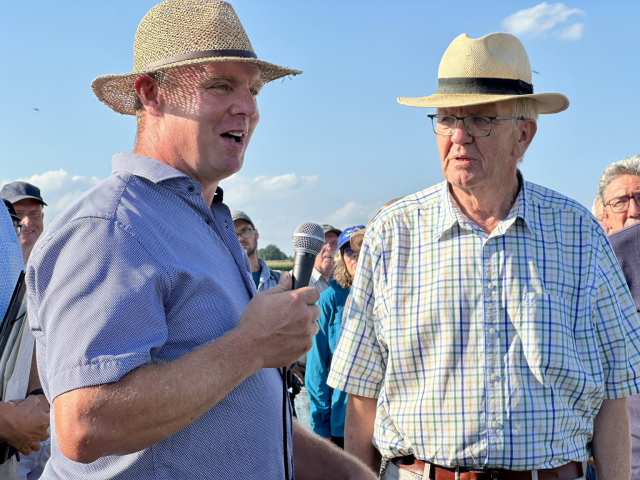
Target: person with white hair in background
x=597, y=208
x=619, y=188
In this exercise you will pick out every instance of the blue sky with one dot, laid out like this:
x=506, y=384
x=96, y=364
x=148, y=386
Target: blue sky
x=332, y=144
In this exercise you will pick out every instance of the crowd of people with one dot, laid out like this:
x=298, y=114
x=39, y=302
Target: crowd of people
x=483, y=328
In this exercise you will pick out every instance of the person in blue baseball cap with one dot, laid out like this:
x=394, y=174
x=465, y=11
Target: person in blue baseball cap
x=327, y=405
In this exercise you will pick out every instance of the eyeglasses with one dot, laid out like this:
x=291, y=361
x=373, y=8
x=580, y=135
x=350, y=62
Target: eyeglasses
x=245, y=232
x=333, y=245
x=475, y=125
x=351, y=253
x=17, y=226
x=621, y=204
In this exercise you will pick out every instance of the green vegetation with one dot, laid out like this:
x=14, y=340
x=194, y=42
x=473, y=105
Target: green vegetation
x=284, y=265
x=271, y=252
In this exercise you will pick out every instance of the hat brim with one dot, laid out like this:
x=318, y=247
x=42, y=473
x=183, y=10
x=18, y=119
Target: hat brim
x=550, y=102
x=118, y=93
x=24, y=197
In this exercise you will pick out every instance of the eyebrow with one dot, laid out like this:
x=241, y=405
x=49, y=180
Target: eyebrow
x=230, y=78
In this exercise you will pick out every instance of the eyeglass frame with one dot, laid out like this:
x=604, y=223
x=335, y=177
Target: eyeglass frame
x=464, y=123
x=245, y=229
x=17, y=227
x=628, y=197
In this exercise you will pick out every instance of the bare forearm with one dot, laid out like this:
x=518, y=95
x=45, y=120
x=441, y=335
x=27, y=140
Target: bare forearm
x=612, y=441
x=151, y=402
x=358, y=430
x=316, y=458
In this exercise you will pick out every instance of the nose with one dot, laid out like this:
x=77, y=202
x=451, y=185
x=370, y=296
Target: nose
x=245, y=103
x=634, y=209
x=460, y=135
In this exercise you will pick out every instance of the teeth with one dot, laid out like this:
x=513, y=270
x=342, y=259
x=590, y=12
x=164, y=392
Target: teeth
x=235, y=134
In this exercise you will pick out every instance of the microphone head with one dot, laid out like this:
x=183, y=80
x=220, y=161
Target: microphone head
x=309, y=238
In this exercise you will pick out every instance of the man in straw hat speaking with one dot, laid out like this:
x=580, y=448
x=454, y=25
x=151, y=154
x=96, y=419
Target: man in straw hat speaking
x=159, y=358
x=489, y=333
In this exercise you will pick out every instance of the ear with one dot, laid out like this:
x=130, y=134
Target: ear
x=527, y=131
x=257, y=234
x=149, y=95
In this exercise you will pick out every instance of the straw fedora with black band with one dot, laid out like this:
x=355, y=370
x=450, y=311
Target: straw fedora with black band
x=488, y=69
x=183, y=32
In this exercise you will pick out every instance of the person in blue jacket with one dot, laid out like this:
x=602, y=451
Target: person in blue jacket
x=327, y=405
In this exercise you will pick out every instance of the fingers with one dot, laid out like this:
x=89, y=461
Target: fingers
x=308, y=295
x=285, y=280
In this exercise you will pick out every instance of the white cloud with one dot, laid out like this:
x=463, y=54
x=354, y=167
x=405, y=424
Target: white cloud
x=354, y=213
x=58, y=188
x=572, y=32
x=241, y=191
x=545, y=19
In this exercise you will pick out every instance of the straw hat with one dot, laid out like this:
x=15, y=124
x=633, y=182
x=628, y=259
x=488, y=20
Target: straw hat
x=488, y=69
x=183, y=32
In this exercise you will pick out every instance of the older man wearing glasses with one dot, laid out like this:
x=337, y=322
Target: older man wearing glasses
x=619, y=184
x=489, y=333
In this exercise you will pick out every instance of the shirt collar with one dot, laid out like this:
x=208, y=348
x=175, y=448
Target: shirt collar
x=451, y=215
x=153, y=170
x=316, y=275
x=265, y=273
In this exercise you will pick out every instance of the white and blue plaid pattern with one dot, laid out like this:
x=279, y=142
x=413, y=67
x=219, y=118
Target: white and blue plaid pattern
x=487, y=350
x=139, y=269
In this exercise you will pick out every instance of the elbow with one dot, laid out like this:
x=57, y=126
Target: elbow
x=77, y=445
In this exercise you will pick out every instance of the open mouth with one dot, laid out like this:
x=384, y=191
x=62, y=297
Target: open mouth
x=235, y=136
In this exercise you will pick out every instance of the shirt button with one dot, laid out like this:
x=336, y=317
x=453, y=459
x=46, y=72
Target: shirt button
x=191, y=188
x=497, y=425
x=492, y=331
x=490, y=285
x=495, y=378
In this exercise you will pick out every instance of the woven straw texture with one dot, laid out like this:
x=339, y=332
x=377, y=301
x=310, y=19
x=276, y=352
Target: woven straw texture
x=177, y=27
x=496, y=55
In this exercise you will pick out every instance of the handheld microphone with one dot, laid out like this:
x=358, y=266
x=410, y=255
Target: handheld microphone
x=308, y=240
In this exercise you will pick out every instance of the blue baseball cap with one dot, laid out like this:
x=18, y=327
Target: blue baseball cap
x=345, y=236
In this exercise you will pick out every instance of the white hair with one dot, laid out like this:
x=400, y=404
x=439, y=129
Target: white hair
x=626, y=166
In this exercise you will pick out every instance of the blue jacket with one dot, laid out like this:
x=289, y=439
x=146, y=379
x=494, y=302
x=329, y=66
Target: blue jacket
x=326, y=405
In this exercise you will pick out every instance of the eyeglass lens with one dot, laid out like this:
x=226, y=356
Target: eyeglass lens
x=621, y=204
x=245, y=232
x=476, y=126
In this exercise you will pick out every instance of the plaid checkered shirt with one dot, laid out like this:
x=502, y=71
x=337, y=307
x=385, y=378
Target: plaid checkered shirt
x=487, y=350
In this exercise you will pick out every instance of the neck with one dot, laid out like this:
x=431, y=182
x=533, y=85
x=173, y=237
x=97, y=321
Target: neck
x=253, y=261
x=148, y=147
x=326, y=274
x=486, y=207
x=26, y=253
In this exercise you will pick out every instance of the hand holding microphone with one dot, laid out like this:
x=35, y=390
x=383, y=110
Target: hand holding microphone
x=281, y=321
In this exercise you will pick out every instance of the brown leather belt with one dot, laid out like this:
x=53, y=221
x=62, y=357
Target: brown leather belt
x=570, y=471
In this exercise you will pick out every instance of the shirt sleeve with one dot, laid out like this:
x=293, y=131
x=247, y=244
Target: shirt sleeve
x=317, y=368
x=96, y=304
x=359, y=361
x=617, y=328
x=10, y=259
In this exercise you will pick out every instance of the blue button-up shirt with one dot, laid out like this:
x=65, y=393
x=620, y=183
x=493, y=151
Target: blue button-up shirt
x=10, y=259
x=139, y=269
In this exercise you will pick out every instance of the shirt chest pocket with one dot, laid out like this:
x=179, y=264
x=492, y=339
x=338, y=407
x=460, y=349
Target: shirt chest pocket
x=545, y=325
